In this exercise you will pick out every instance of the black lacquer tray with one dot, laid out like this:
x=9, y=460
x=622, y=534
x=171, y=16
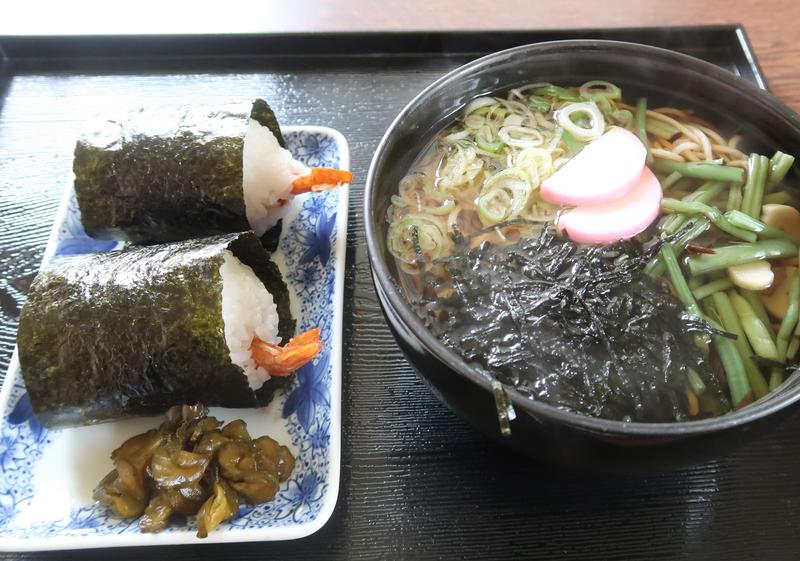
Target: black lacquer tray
x=417, y=482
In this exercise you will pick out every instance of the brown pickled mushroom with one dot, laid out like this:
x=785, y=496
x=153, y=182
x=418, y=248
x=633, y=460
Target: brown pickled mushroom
x=188, y=466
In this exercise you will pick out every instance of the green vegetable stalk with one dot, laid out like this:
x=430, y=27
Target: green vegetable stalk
x=704, y=194
x=734, y=198
x=778, y=198
x=679, y=281
x=754, y=188
x=729, y=256
x=700, y=170
x=746, y=222
x=655, y=267
x=790, y=320
x=671, y=180
x=741, y=393
x=794, y=346
x=730, y=321
x=757, y=333
x=785, y=332
x=758, y=308
x=641, y=132
x=779, y=166
x=706, y=290
x=712, y=213
x=660, y=129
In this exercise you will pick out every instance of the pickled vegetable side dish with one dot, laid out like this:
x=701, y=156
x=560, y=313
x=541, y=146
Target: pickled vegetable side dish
x=614, y=260
x=192, y=465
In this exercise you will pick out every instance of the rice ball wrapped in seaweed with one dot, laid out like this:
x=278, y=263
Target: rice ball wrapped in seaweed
x=136, y=331
x=163, y=177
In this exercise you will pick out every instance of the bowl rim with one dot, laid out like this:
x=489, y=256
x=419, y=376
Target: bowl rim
x=386, y=286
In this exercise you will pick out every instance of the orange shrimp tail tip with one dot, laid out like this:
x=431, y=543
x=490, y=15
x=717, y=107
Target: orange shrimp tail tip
x=283, y=360
x=321, y=179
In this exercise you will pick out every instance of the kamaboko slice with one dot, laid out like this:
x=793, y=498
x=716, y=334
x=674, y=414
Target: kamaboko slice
x=619, y=219
x=603, y=171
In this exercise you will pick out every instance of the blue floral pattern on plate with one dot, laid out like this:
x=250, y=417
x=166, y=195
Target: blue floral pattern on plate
x=314, y=231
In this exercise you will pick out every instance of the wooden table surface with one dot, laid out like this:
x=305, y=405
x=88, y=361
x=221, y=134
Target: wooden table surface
x=772, y=25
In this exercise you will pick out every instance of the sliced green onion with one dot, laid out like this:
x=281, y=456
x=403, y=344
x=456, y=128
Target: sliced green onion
x=489, y=146
x=597, y=89
x=493, y=206
x=571, y=142
x=497, y=113
x=597, y=124
x=536, y=162
x=445, y=206
x=539, y=104
x=559, y=93
x=459, y=168
x=504, y=196
x=454, y=137
x=482, y=102
x=428, y=233
x=622, y=117
x=522, y=137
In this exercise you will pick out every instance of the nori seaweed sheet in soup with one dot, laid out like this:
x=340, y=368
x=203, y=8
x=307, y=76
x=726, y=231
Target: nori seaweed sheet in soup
x=165, y=177
x=579, y=327
x=136, y=331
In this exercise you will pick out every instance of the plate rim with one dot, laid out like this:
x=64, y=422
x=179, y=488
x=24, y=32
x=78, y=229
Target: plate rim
x=281, y=533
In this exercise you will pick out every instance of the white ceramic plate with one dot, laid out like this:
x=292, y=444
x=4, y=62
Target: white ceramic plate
x=47, y=476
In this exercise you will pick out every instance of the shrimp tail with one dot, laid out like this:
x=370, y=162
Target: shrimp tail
x=321, y=179
x=280, y=360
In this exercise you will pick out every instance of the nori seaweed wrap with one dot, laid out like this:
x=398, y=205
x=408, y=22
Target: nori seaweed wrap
x=136, y=331
x=164, y=177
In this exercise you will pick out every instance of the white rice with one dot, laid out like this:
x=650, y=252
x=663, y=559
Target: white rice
x=268, y=172
x=248, y=311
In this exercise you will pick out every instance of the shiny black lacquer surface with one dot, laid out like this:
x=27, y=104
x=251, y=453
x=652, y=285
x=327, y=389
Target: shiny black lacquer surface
x=417, y=482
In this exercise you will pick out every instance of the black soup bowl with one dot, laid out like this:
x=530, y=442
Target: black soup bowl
x=541, y=430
